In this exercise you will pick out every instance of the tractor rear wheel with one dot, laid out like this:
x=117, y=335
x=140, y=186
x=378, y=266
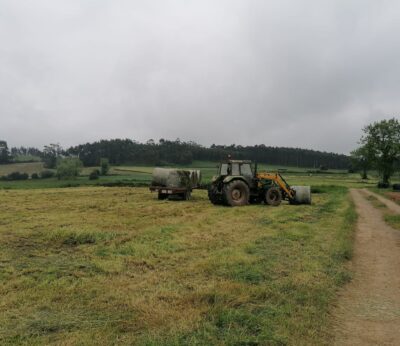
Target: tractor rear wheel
x=236, y=193
x=273, y=196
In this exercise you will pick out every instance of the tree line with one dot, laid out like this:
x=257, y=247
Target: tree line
x=165, y=152
x=126, y=151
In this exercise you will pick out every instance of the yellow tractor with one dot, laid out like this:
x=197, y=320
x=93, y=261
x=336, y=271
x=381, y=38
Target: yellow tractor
x=238, y=183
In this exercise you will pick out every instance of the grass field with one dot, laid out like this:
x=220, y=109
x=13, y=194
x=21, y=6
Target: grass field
x=31, y=167
x=26, y=158
x=105, y=266
x=141, y=175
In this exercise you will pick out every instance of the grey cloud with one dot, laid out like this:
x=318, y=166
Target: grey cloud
x=287, y=73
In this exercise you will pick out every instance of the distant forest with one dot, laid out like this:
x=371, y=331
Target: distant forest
x=165, y=152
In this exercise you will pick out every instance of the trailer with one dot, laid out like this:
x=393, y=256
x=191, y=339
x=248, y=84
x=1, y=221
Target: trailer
x=172, y=192
x=174, y=183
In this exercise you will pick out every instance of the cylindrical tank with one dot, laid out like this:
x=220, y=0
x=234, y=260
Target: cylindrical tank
x=170, y=177
x=303, y=194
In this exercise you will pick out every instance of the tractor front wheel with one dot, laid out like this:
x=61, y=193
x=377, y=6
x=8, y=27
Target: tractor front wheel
x=236, y=193
x=214, y=196
x=273, y=196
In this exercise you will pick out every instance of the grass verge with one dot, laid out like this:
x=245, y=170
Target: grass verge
x=390, y=217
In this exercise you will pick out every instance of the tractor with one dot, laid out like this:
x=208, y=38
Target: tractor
x=238, y=183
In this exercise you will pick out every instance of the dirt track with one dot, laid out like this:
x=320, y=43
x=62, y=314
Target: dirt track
x=368, y=311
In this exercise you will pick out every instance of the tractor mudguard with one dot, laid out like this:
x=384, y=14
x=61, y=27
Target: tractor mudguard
x=229, y=178
x=214, y=178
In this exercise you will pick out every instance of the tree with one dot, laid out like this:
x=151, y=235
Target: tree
x=361, y=159
x=68, y=168
x=4, y=152
x=382, y=140
x=94, y=174
x=104, y=166
x=50, y=155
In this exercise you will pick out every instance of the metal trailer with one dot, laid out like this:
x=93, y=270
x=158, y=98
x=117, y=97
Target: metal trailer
x=172, y=192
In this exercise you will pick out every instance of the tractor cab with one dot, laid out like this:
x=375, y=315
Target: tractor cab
x=237, y=169
x=243, y=168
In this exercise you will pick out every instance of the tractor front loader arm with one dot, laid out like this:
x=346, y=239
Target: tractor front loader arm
x=278, y=179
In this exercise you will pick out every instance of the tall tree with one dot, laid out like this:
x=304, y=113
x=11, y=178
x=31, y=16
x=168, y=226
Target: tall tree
x=361, y=160
x=382, y=140
x=50, y=154
x=4, y=152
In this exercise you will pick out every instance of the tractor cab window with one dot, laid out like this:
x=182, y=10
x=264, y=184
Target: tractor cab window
x=224, y=169
x=235, y=169
x=246, y=170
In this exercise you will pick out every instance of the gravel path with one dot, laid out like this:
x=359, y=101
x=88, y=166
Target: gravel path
x=368, y=311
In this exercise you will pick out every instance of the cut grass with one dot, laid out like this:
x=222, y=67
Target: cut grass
x=115, y=265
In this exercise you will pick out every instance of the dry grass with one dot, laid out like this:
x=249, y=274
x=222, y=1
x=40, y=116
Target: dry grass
x=116, y=266
x=31, y=167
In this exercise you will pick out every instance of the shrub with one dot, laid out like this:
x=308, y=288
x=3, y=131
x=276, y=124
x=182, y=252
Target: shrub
x=35, y=176
x=16, y=176
x=69, y=168
x=46, y=174
x=383, y=185
x=104, y=166
x=94, y=174
x=396, y=187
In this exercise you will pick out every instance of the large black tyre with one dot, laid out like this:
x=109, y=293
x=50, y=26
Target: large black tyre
x=162, y=196
x=236, y=193
x=187, y=195
x=273, y=196
x=213, y=195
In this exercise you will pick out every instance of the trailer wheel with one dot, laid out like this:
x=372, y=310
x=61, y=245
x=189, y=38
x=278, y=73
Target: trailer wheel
x=187, y=195
x=273, y=196
x=162, y=196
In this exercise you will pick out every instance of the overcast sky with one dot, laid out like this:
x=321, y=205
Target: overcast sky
x=304, y=73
